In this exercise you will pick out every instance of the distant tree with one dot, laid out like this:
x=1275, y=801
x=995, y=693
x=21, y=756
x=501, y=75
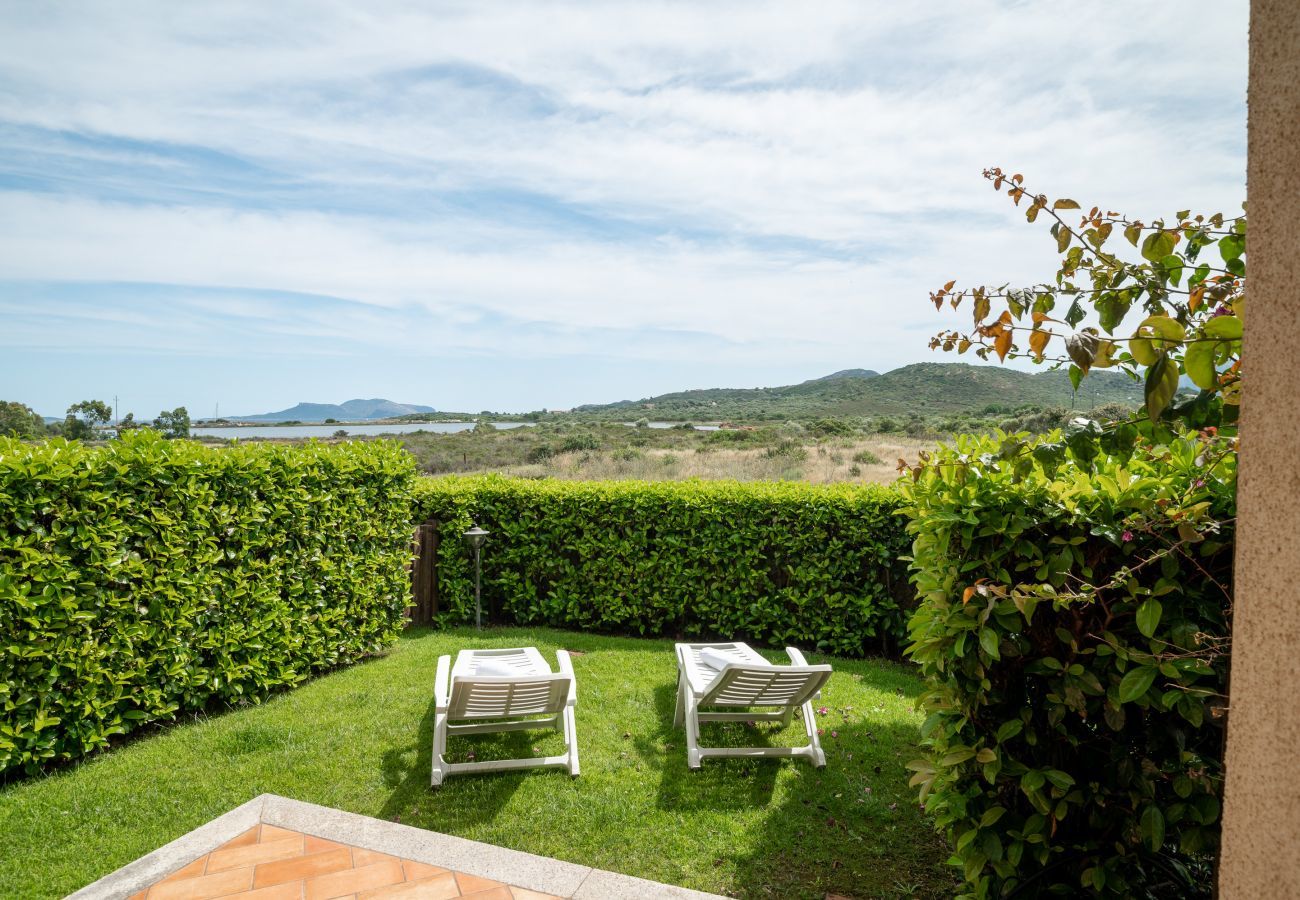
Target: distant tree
x=331, y=421
x=340, y=433
x=127, y=423
x=84, y=417
x=19, y=420
x=174, y=424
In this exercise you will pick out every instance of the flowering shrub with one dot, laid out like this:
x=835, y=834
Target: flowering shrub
x=1065, y=625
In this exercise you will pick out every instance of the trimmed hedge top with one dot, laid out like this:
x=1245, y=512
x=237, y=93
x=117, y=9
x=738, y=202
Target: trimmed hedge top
x=769, y=562
x=149, y=577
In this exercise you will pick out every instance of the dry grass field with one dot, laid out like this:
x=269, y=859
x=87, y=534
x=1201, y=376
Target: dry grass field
x=872, y=458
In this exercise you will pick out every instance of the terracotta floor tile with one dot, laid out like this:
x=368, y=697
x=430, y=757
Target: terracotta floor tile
x=525, y=894
x=275, y=833
x=469, y=884
x=498, y=893
x=191, y=870
x=350, y=881
x=248, y=837
x=303, y=867
x=362, y=857
x=417, y=870
x=290, y=890
x=441, y=887
x=204, y=886
x=313, y=844
x=252, y=854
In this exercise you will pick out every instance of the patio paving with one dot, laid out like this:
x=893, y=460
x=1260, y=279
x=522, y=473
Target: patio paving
x=271, y=863
x=274, y=848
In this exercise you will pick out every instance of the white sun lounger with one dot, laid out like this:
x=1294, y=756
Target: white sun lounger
x=503, y=690
x=746, y=681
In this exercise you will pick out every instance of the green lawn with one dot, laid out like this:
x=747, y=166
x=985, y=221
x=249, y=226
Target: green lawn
x=359, y=740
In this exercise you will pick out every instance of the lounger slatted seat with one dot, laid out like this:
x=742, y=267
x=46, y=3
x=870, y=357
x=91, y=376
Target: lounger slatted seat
x=503, y=690
x=745, y=682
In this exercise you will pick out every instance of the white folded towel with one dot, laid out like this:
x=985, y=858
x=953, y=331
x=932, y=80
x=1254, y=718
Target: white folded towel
x=719, y=659
x=491, y=666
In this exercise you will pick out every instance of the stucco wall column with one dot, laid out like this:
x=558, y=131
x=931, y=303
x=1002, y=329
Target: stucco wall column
x=1261, y=824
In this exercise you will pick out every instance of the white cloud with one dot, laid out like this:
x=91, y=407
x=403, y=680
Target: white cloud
x=762, y=172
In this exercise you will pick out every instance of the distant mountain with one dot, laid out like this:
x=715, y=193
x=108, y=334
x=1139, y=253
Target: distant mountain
x=845, y=373
x=925, y=388
x=351, y=411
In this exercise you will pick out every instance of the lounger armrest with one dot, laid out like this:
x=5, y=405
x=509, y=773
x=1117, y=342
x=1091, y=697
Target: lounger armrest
x=442, y=684
x=796, y=657
x=566, y=668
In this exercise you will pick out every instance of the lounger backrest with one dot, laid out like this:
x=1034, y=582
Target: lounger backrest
x=499, y=696
x=765, y=685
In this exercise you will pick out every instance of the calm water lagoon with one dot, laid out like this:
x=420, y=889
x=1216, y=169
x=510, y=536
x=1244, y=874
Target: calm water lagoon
x=323, y=431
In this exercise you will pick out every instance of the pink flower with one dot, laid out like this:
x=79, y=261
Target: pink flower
x=1126, y=536
x=835, y=734
x=821, y=731
x=822, y=710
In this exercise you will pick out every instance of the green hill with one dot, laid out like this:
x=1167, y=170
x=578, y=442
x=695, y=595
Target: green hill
x=924, y=388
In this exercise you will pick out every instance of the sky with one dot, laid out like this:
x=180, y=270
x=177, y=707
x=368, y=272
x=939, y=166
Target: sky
x=515, y=206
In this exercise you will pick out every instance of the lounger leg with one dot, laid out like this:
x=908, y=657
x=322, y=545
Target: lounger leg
x=810, y=725
x=571, y=738
x=679, y=715
x=692, y=731
x=785, y=719
x=439, y=749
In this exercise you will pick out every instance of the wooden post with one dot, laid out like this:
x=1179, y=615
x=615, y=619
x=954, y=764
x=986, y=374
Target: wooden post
x=424, y=574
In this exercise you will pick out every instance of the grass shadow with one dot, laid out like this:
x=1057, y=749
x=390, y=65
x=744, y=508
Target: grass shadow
x=719, y=784
x=852, y=829
x=461, y=800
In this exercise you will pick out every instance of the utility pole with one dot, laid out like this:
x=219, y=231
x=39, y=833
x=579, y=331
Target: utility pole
x=116, y=421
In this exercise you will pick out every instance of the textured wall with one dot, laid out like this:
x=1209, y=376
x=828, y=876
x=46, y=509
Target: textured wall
x=1261, y=847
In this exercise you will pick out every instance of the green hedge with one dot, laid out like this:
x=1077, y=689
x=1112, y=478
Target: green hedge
x=816, y=566
x=150, y=577
x=1074, y=746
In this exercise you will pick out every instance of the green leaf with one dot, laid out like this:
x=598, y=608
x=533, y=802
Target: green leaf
x=1062, y=780
x=1157, y=245
x=1152, y=824
x=1200, y=365
x=1148, y=616
x=1231, y=246
x=1154, y=335
x=1225, y=328
x=989, y=641
x=1135, y=683
x=1009, y=729
x=1161, y=386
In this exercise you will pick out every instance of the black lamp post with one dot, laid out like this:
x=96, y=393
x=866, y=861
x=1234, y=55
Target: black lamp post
x=476, y=536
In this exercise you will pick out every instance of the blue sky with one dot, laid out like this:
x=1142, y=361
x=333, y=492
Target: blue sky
x=513, y=206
